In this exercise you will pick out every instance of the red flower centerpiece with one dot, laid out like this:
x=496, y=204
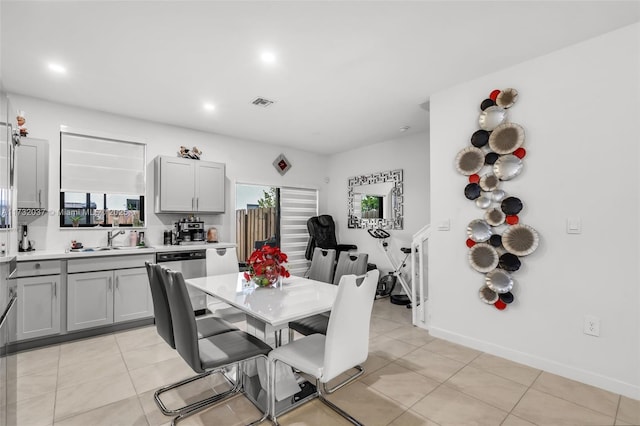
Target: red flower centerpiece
x=265, y=266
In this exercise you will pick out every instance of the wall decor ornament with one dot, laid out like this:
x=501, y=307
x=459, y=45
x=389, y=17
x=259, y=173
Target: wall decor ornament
x=498, y=240
x=281, y=164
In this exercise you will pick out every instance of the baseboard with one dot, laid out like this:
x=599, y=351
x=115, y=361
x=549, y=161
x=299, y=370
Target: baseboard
x=76, y=335
x=570, y=372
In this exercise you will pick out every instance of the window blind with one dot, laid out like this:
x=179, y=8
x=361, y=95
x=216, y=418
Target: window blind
x=297, y=205
x=101, y=165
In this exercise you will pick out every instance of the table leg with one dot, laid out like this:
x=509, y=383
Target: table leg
x=263, y=331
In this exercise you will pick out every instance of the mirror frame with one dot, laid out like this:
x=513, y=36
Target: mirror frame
x=396, y=219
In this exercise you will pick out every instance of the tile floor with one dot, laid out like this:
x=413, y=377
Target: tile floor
x=412, y=379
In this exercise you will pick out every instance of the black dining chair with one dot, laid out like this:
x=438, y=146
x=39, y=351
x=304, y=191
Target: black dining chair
x=213, y=353
x=322, y=233
x=207, y=326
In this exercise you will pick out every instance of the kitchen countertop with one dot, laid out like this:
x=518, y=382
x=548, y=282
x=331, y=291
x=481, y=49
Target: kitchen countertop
x=124, y=251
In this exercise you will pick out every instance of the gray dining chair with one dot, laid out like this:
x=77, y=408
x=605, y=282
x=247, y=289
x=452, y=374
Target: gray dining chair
x=212, y=353
x=322, y=265
x=207, y=326
x=349, y=263
x=345, y=345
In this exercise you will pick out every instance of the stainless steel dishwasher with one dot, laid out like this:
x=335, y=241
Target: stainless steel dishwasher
x=192, y=264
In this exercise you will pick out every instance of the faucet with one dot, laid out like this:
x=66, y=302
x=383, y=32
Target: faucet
x=111, y=236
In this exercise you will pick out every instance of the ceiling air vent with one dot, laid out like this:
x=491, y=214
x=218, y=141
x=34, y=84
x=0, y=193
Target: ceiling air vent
x=262, y=102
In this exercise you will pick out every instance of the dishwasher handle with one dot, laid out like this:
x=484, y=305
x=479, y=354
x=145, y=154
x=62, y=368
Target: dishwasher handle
x=181, y=255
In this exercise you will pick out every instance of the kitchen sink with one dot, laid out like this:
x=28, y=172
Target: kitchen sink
x=128, y=248
x=105, y=248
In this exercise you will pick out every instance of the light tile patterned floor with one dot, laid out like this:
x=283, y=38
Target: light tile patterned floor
x=411, y=379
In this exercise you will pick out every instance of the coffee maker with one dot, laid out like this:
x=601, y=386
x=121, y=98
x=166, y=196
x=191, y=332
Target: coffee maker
x=189, y=232
x=24, y=244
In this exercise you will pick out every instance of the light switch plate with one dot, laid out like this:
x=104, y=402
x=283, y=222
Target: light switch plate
x=574, y=225
x=444, y=225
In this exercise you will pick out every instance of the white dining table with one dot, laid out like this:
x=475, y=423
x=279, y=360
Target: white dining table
x=270, y=309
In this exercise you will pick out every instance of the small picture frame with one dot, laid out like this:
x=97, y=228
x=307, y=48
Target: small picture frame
x=281, y=164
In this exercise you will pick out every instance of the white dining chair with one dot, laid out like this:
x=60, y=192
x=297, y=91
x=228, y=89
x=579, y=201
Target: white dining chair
x=345, y=346
x=221, y=261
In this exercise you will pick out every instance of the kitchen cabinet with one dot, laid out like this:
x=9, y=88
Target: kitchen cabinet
x=32, y=164
x=39, y=299
x=132, y=297
x=186, y=186
x=107, y=296
x=89, y=300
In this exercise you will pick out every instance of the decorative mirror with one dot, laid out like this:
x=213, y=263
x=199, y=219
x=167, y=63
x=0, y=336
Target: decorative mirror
x=375, y=200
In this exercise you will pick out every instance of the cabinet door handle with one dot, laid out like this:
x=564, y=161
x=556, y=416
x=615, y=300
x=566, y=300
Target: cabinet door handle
x=117, y=283
x=110, y=283
x=39, y=197
x=197, y=203
x=55, y=289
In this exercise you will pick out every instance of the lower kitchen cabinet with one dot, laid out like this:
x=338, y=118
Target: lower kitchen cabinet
x=89, y=300
x=38, y=307
x=132, y=297
x=107, y=297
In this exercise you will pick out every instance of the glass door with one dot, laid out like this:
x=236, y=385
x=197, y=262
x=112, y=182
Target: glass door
x=276, y=216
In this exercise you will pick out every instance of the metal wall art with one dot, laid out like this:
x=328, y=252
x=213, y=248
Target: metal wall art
x=497, y=241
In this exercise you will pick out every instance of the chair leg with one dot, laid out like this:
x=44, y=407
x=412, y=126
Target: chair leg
x=210, y=402
x=271, y=391
x=334, y=407
x=166, y=411
x=329, y=391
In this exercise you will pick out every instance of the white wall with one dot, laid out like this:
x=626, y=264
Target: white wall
x=246, y=162
x=410, y=153
x=579, y=107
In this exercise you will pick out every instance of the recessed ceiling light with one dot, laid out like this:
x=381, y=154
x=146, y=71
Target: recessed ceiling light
x=208, y=106
x=404, y=128
x=268, y=57
x=57, y=68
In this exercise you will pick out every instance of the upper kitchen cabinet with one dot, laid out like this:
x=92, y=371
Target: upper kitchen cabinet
x=184, y=185
x=32, y=163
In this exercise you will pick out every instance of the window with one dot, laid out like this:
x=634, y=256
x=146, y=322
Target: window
x=297, y=205
x=102, y=180
x=278, y=216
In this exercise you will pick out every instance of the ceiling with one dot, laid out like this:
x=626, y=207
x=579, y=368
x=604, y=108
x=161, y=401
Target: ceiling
x=347, y=73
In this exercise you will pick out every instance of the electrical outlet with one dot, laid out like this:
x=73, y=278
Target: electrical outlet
x=591, y=325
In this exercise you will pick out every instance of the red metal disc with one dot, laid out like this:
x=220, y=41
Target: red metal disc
x=520, y=152
x=512, y=219
x=500, y=305
x=494, y=95
x=470, y=243
x=474, y=178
